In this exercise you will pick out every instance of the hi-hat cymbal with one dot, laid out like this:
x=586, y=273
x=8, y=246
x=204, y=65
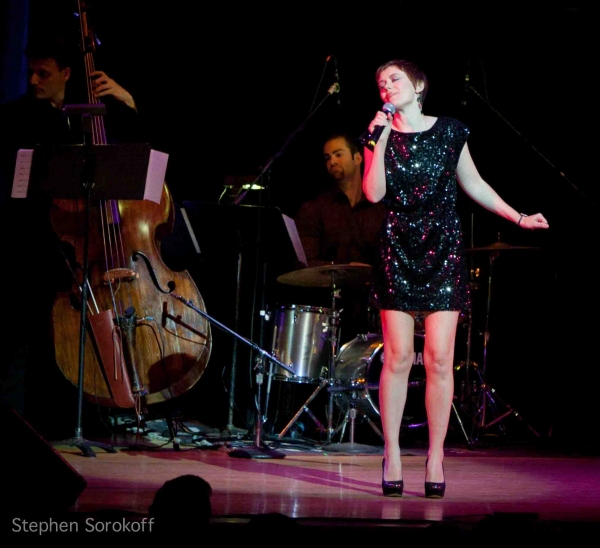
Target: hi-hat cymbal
x=500, y=246
x=329, y=275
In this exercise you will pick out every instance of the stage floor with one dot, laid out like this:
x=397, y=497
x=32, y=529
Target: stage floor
x=494, y=487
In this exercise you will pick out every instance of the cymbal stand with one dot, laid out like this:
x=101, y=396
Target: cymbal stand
x=465, y=387
x=334, y=336
x=488, y=398
x=351, y=414
x=350, y=417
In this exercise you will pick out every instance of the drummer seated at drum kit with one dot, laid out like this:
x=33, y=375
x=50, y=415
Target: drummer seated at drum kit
x=338, y=229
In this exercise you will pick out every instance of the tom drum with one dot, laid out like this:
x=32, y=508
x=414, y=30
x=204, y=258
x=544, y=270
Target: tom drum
x=300, y=340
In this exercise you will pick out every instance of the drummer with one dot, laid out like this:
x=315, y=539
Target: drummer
x=340, y=226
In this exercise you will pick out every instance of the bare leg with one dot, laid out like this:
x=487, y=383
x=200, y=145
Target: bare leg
x=438, y=358
x=398, y=338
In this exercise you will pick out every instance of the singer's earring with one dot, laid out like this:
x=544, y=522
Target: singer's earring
x=420, y=100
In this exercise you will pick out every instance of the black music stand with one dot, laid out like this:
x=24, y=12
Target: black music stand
x=109, y=172
x=237, y=229
x=91, y=172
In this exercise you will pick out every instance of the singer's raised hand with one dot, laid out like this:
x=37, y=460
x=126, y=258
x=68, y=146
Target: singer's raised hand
x=381, y=123
x=382, y=120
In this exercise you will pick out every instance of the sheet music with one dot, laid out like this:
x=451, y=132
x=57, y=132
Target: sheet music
x=294, y=236
x=190, y=230
x=155, y=175
x=157, y=169
x=22, y=172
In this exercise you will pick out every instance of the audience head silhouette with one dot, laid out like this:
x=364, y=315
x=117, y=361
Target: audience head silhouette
x=184, y=499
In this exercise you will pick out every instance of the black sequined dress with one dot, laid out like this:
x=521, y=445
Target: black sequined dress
x=421, y=264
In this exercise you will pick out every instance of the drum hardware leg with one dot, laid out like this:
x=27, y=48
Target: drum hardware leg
x=303, y=409
x=334, y=334
x=342, y=426
x=266, y=316
x=462, y=427
x=320, y=427
x=330, y=418
x=366, y=418
x=489, y=399
x=467, y=382
x=349, y=418
x=352, y=421
x=267, y=396
x=486, y=397
x=351, y=446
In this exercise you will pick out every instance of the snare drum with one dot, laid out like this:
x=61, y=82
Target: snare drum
x=357, y=372
x=301, y=340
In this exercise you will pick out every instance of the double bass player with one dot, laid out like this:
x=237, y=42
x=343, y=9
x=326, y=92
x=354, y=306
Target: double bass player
x=34, y=265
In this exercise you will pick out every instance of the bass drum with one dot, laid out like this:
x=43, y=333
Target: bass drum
x=357, y=372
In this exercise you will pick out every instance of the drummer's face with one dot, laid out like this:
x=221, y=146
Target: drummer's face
x=339, y=161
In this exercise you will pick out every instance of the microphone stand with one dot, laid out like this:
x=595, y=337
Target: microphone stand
x=259, y=450
x=470, y=87
x=230, y=425
x=334, y=88
x=488, y=393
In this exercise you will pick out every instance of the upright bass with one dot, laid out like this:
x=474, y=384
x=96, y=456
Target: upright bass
x=142, y=346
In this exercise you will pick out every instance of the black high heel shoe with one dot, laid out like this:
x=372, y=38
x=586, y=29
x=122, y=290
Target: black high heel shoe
x=433, y=489
x=390, y=488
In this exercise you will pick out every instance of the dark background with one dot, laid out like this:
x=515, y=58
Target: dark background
x=242, y=91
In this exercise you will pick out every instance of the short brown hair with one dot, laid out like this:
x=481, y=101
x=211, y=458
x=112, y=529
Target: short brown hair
x=351, y=142
x=46, y=46
x=414, y=73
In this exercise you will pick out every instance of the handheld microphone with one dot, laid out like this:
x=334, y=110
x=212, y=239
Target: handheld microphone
x=388, y=108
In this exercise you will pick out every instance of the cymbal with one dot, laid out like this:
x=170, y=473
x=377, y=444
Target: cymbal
x=328, y=275
x=500, y=246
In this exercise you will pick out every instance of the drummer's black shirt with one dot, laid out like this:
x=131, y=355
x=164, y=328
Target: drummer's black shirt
x=334, y=232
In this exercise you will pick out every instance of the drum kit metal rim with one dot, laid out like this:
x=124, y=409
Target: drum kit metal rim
x=336, y=277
